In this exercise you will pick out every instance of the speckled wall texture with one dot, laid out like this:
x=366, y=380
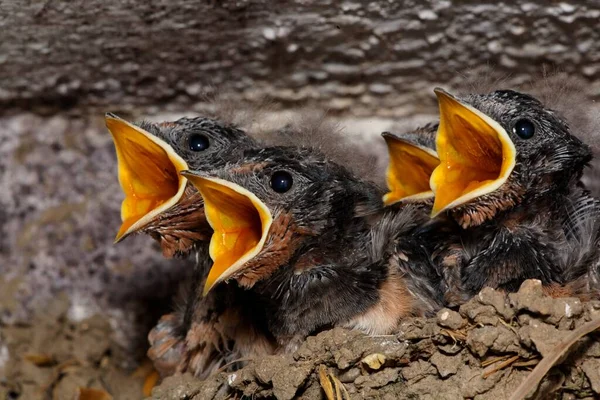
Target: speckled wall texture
x=359, y=56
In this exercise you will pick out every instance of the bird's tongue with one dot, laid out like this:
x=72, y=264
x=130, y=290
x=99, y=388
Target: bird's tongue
x=240, y=221
x=476, y=154
x=148, y=173
x=409, y=171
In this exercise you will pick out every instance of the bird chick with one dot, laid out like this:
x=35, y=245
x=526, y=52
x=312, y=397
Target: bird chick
x=158, y=201
x=306, y=246
x=410, y=152
x=276, y=213
x=178, y=221
x=508, y=175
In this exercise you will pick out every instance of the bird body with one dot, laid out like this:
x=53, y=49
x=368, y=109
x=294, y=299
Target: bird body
x=508, y=205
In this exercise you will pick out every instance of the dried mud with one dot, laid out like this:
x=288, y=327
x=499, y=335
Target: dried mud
x=55, y=358
x=481, y=351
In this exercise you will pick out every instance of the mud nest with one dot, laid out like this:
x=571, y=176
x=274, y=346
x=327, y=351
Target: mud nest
x=483, y=350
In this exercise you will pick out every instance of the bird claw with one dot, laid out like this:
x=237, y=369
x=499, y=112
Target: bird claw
x=335, y=390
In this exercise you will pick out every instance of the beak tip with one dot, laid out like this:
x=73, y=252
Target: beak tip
x=122, y=234
x=441, y=93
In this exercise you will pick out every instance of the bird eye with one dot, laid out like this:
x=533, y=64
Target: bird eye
x=281, y=181
x=198, y=142
x=524, y=128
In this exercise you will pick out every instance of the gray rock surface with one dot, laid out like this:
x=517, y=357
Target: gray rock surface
x=366, y=57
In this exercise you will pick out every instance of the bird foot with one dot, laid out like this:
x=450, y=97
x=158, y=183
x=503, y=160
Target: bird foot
x=333, y=388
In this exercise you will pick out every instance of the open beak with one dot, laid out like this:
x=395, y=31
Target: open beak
x=148, y=173
x=240, y=221
x=476, y=154
x=409, y=170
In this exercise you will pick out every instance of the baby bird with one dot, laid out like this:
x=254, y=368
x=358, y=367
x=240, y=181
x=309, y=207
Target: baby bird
x=509, y=176
x=308, y=247
x=158, y=201
x=178, y=221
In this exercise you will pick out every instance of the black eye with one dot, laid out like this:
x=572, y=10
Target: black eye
x=524, y=128
x=198, y=142
x=281, y=181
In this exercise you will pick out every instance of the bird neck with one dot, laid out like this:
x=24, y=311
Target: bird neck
x=326, y=283
x=183, y=227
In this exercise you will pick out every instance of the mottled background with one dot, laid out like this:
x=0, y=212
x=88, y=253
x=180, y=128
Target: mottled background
x=372, y=64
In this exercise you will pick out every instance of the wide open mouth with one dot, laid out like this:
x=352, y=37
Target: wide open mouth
x=409, y=170
x=476, y=154
x=240, y=221
x=148, y=173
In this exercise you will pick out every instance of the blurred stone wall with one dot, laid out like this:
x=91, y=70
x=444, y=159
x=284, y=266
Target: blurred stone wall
x=362, y=57
x=372, y=64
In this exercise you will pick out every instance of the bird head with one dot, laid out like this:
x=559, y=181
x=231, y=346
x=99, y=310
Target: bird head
x=275, y=202
x=158, y=200
x=412, y=160
x=496, y=150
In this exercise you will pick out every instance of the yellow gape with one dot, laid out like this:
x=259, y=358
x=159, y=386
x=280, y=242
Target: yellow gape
x=409, y=171
x=476, y=154
x=148, y=173
x=240, y=221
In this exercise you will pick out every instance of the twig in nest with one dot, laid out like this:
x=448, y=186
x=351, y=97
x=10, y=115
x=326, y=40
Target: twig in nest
x=150, y=382
x=527, y=363
x=500, y=366
x=509, y=326
x=149, y=375
x=535, y=377
x=337, y=391
x=40, y=359
x=457, y=336
x=93, y=394
x=493, y=360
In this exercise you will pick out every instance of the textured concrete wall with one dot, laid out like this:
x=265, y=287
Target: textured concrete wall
x=363, y=56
